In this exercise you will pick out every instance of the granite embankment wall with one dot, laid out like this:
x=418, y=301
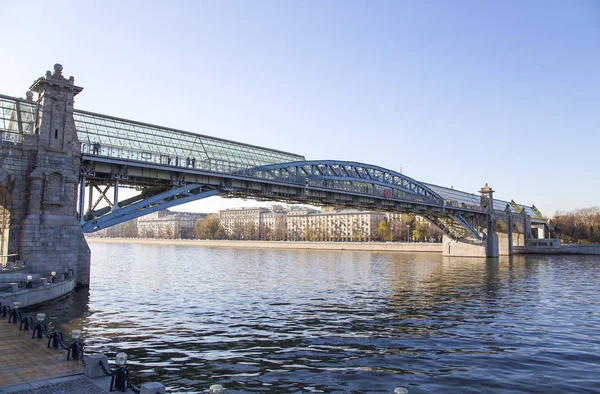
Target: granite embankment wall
x=562, y=249
x=38, y=295
x=357, y=246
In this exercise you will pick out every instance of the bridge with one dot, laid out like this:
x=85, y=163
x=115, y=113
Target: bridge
x=62, y=169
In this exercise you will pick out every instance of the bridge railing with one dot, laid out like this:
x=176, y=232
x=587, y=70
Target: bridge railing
x=461, y=205
x=143, y=156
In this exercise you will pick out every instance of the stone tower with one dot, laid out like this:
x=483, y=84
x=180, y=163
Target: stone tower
x=41, y=176
x=487, y=204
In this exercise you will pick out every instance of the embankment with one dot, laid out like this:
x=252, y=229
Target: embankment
x=358, y=246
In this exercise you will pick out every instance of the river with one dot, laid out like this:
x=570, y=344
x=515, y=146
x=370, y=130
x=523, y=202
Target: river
x=296, y=321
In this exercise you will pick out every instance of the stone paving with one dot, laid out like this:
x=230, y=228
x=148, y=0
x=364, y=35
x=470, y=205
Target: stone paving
x=78, y=384
x=28, y=360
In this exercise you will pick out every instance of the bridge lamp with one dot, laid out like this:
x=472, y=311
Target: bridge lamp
x=121, y=359
x=75, y=334
x=120, y=378
x=216, y=389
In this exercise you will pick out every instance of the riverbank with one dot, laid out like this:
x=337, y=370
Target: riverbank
x=561, y=250
x=356, y=246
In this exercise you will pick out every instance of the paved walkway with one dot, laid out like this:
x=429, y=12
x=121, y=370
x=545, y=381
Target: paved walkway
x=28, y=366
x=26, y=360
x=78, y=384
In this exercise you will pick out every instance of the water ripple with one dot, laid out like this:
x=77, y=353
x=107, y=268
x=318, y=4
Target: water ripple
x=285, y=321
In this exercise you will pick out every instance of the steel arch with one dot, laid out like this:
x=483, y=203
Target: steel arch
x=344, y=173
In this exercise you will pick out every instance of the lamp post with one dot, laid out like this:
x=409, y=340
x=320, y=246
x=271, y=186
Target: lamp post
x=120, y=378
x=40, y=326
x=15, y=313
x=76, y=348
x=408, y=233
x=216, y=389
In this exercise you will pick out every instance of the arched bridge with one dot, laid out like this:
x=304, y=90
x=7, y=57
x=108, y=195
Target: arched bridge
x=61, y=170
x=170, y=167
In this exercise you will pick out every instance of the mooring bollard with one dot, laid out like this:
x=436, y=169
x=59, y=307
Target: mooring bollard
x=92, y=365
x=152, y=388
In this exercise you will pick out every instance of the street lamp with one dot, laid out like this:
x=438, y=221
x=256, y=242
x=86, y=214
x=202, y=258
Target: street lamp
x=120, y=378
x=40, y=328
x=75, y=350
x=408, y=233
x=216, y=389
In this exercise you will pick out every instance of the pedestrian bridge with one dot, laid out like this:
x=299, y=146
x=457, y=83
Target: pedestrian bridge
x=62, y=170
x=170, y=167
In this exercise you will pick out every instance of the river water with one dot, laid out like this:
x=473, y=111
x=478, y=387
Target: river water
x=293, y=321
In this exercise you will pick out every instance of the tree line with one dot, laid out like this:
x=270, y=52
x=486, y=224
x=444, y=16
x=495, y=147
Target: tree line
x=578, y=226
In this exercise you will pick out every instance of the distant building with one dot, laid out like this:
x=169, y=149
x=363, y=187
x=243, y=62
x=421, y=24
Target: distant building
x=167, y=224
x=242, y=223
x=301, y=224
x=336, y=226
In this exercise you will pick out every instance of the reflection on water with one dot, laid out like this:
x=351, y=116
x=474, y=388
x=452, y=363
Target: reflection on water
x=286, y=321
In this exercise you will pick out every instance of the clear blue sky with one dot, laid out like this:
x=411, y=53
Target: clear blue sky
x=452, y=92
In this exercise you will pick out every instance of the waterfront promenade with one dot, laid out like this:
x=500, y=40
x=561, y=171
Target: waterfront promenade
x=412, y=247
x=354, y=246
x=25, y=360
x=30, y=367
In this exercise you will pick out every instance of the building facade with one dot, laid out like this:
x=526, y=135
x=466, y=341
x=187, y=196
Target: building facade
x=167, y=224
x=242, y=223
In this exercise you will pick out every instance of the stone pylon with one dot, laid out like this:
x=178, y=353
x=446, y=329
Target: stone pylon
x=50, y=237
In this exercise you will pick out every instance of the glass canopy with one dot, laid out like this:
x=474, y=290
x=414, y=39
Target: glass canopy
x=474, y=199
x=126, y=139
x=17, y=117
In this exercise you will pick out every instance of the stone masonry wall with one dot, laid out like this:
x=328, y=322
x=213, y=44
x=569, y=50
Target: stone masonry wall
x=42, y=175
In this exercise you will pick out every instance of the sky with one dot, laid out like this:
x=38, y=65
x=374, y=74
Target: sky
x=455, y=93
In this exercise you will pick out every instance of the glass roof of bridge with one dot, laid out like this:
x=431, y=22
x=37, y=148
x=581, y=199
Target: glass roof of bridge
x=135, y=136
x=17, y=115
x=474, y=199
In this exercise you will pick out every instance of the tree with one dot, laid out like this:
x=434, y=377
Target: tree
x=207, y=228
x=220, y=233
x=130, y=230
x=383, y=230
x=579, y=226
x=421, y=231
x=250, y=231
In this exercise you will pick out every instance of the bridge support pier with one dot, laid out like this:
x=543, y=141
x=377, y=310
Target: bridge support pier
x=41, y=175
x=488, y=248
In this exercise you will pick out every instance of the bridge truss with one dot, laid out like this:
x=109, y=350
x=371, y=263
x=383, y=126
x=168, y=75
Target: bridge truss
x=169, y=167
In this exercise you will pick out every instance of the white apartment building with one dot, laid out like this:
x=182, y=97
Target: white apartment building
x=167, y=224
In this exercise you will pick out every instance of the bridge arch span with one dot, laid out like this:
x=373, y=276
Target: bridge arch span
x=347, y=175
